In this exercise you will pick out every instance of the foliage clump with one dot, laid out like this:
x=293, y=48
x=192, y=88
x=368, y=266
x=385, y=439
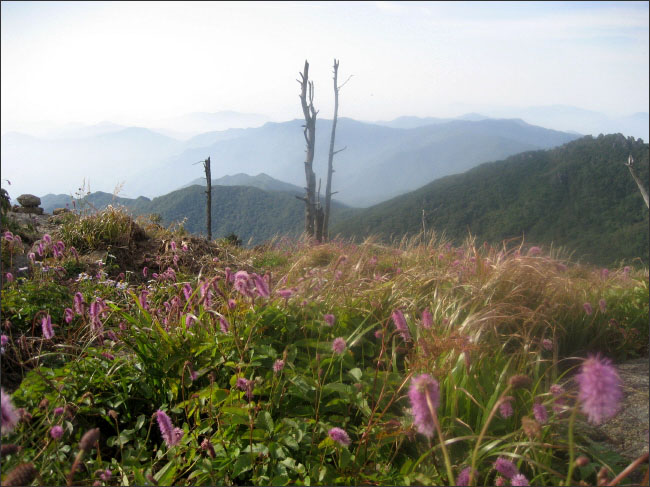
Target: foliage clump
x=297, y=363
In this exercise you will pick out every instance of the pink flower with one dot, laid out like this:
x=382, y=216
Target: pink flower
x=56, y=432
x=338, y=345
x=189, y=321
x=106, y=475
x=9, y=415
x=540, y=413
x=463, y=476
x=32, y=256
x=242, y=383
x=47, y=239
x=339, y=435
x=427, y=319
x=500, y=481
x=547, y=344
x=603, y=305
x=519, y=480
x=46, y=325
x=422, y=387
x=4, y=339
x=278, y=366
x=556, y=390
x=600, y=389
x=285, y=293
x=143, y=299
x=400, y=324
x=68, y=315
x=533, y=251
x=626, y=271
x=588, y=309
x=329, y=319
x=145, y=271
x=187, y=291
x=224, y=325
x=9, y=276
x=232, y=304
x=185, y=248
x=58, y=411
x=506, y=409
x=171, y=435
x=261, y=286
x=8, y=236
x=604, y=273
x=78, y=303
x=379, y=334
x=505, y=467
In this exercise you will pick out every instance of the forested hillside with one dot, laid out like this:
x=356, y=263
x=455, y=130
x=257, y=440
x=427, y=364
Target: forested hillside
x=579, y=196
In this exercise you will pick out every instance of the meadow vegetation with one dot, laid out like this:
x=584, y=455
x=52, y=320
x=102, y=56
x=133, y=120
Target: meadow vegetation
x=302, y=364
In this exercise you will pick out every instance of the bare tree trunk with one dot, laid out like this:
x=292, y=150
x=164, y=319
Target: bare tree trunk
x=208, y=192
x=319, y=216
x=330, y=169
x=637, y=180
x=310, y=138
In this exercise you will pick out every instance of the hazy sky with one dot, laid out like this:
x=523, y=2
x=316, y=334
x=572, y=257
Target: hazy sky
x=132, y=62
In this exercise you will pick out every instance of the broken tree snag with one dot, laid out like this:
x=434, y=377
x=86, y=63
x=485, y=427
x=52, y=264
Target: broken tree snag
x=332, y=152
x=637, y=180
x=208, y=192
x=307, y=102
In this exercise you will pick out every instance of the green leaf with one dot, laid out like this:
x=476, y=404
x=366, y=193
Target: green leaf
x=265, y=421
x=242, y=464
x=165, y=475
x=356, y=373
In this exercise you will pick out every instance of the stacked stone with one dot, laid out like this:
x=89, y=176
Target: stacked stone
x=28, y=204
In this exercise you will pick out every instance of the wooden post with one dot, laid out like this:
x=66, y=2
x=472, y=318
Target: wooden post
x=208, y=192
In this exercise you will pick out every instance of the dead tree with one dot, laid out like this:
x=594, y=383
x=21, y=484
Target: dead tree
x=208, y=192
x=307, y=102
x=637, y=180
x=332, y=152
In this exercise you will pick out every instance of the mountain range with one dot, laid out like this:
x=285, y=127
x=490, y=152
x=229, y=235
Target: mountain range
x=378, y=162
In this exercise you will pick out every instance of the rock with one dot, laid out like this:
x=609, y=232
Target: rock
x=36, y=210
x=29, y=200
x=59, y=211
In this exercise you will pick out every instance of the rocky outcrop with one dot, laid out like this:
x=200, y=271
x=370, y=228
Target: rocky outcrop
x=28, y=204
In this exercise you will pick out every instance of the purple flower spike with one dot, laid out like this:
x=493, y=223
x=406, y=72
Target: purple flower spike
x=540, y=413
x=463, y=476
x=400, y=324
x=56, y=432
x=278, y=366
x=338, y=345
x=505, y=467
x=261, y=286
x=519, y=480
x=424, y=386
x=506, y=409
x=340, y=436
x=224, y=325
x=69, y=314
x=9, y=415
x=187, y=291
x=588, y=309
x=600, y=389
x=46, y=325
x=171, y=435
x=427, y=319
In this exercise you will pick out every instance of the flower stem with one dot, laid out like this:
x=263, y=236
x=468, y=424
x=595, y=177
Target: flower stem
x=445, y=454
x=572, y=453
x=483, y=431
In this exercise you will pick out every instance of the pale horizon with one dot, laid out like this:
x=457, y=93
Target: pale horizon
x=135, y=63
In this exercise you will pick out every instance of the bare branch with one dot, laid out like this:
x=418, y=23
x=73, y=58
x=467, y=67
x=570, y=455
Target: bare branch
x=340, y=150
x=342, y=85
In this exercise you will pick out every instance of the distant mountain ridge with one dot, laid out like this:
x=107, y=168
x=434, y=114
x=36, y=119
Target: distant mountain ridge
x=579, y=195
x=381, y=160
x=261, y=181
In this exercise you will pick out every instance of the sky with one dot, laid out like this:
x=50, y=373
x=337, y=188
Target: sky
x=139, y=62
